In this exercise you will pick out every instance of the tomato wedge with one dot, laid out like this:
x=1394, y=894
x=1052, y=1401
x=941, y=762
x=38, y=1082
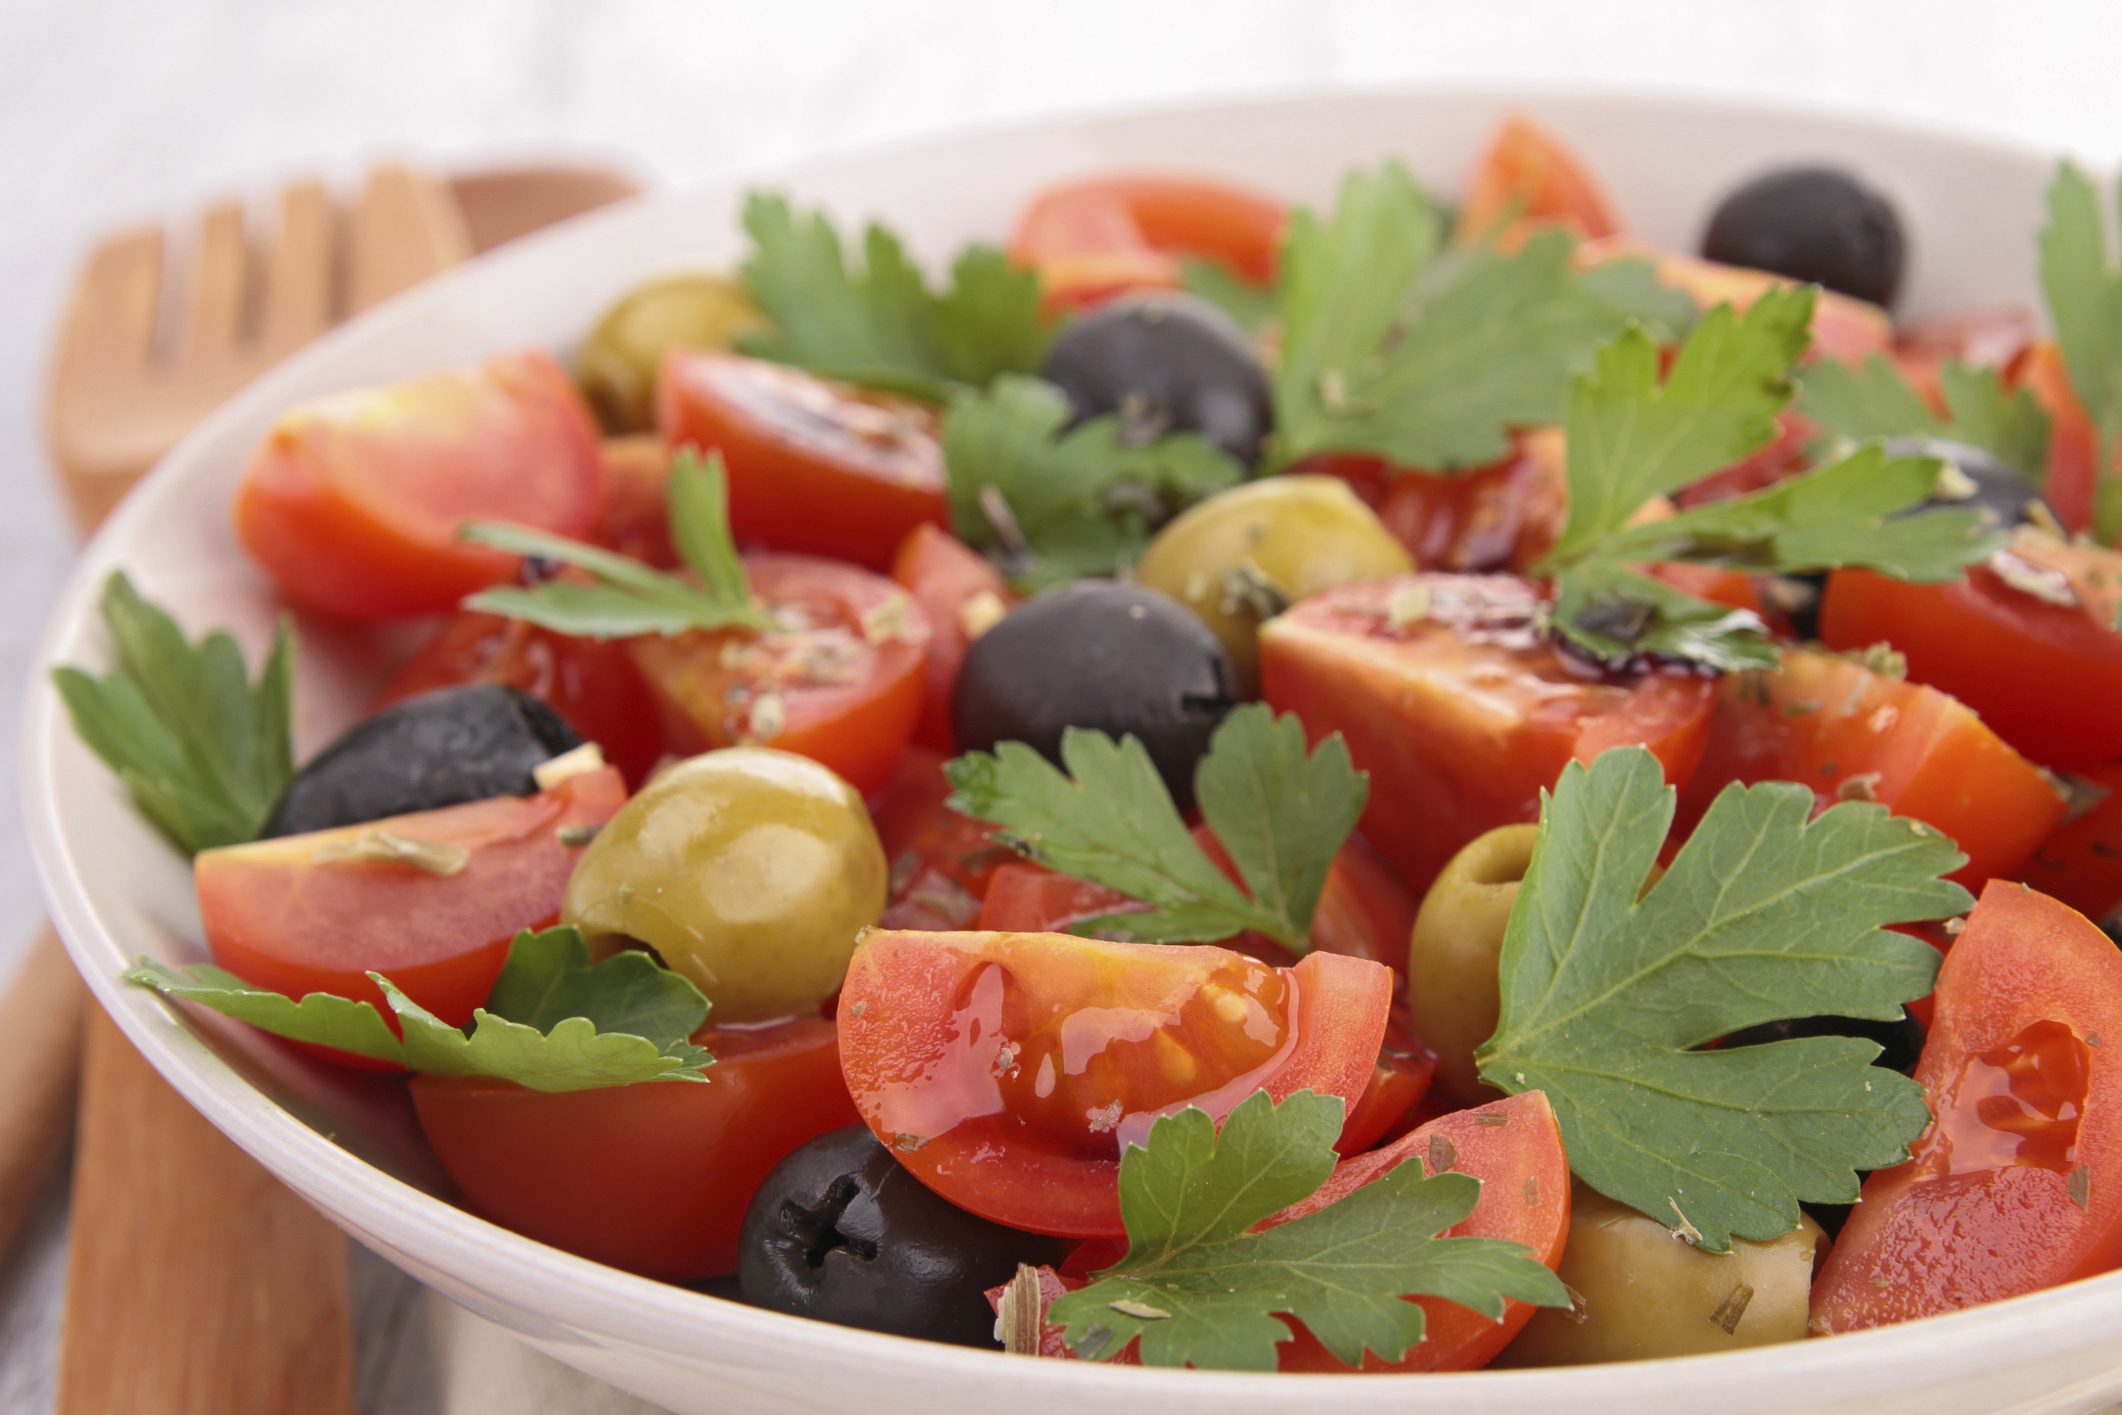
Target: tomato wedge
x=941, y=861
x=814, y=466
x=1007, y=1070
x=653, y=1177
x=1503, y=516
x=278, y=917
x=1463, y=714
x=2080, y=864
x=1092, y=240
x=353, y=503
x=2072, y=483
x=839, y=681
x=1528, y=178
x=2017, y=1185
x=963, y=596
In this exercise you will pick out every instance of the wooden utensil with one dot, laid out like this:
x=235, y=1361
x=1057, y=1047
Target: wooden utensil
x=195, y=1281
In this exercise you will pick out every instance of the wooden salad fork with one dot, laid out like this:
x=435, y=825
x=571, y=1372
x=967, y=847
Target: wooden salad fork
x=196, y=1282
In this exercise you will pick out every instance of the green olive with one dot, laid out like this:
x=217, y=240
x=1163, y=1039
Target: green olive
x=1643, y=1292
x=748, y=870
x=1242, y=556
x=1451, y=958
x=617, y=364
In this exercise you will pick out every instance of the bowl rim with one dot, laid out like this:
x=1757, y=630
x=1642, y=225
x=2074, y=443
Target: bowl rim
x=642, y=1312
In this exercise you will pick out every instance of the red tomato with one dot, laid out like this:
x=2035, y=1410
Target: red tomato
x=819, y=467
x=1852, y=734
x=1398, y=1084
x=1008, y=1070
x=636, y=519
x=2017, y=1185
x=1528, y=178
x=353, y=503
x=652, y=1177
x=1504, y=516
x=1464, y=715
x=1092, y=240
x=1990, y=338
x=2081, y=863
x=941, y=861
x=280, y=919
x=2044, y=676
x=2073, y=444
x=1782, y=458
x=839, y=683
x=1026, y=898
x=593, y=684
x=963, y=596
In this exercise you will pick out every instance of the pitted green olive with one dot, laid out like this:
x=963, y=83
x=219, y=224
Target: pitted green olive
x=748, y=870
x=1451, y=959
x=1241, y=556
x=1642, y=1292
x=617, y=363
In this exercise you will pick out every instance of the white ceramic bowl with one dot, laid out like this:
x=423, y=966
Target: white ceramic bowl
x=348, y=1144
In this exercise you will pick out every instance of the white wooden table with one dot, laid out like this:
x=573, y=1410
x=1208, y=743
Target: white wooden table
x=115, y=111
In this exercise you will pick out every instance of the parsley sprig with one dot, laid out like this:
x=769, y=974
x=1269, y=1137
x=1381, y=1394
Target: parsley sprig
x=1875, y=401
x=203, y=751
x=1199, y=1288
x=1056, y=505
x=1279, y=812
x=1765, y=914
x=2083, y=286
x=628, y=597
x=553, y=1022
x=881, y=325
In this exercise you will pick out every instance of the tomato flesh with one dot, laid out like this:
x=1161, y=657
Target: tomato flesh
x=1093, y=240
x=2072, y=483
x=281, y=920
x=353, y=503
x=941, y=861
x=1528, y=178
x=2017, y=1185
x=963, y=596
x=1008, y=1070
x=653, y=1177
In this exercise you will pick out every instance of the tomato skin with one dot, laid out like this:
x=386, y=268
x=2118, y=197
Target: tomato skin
x=814, y=466
x=281, y=922
x=353, y=503
x=2080, y=864
x=636, y=519
x=2055, y=700
x=1529, y=179
x=2073, y=468
x=653, y=1177
x=1095, y=239
x=1462, y=717
x=1852, y=734
x=845, y=688
x=1503, y=516
x=1984, y=1212
x=921, y=1015
x=963, y=596
x=941, y=860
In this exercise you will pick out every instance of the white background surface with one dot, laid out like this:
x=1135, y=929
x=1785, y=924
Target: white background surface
x=114, y=112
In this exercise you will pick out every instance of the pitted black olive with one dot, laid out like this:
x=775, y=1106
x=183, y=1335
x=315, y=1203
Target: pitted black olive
x=437, y=749
x=840, y=1232
x=1976, y=481
x=1165, y=362
x=1814, y=224
x=1119, y=658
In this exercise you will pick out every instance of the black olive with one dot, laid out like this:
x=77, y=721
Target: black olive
x=840, y=1232
x=1815, y=224
x=437, y=749
x=1901, y=1040
x=1979, y=482
x=1119, y=658
x=1165, y=363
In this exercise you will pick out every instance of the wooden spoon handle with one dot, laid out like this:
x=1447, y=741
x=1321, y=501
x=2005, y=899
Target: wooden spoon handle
x=40, y=1015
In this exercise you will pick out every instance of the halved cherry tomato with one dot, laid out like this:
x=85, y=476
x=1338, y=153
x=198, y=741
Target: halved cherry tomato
x=2072, y=483
x=636, y=519
x=2045, y=676
x=963, y=596
x=1528, y=178
x=1092, y=240
x=2017, y=1185
x=1782, y=458
x=1026, y=898
x=652, y=1177
x=1504, y=516
x=1008, y=1070
x=941, y=861
x=1460, y=708
x=1852, y=734
x=353, y=503
x=839, y=681
x=280, y=918
x=592, y=683
x=2080, y=864
x=814, y=466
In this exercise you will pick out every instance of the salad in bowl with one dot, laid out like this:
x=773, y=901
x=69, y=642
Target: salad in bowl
x=1358, y=767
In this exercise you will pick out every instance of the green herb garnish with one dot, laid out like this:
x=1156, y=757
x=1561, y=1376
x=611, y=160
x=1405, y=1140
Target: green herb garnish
x=630, y=598
x=204, y=753
x=1251, y=307
x=1280, y=813
x=1059, y=505
x=881, y=325
x=1764, y=915
x=1859, y=405
x=1197, y=1288
x=553, y=1022
x=1395, y=346
x=2084, y=290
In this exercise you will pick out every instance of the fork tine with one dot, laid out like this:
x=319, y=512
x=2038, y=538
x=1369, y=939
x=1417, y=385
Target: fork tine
x=109, y=334
x=220, y=275
x=298, y=273
x=405, y=228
